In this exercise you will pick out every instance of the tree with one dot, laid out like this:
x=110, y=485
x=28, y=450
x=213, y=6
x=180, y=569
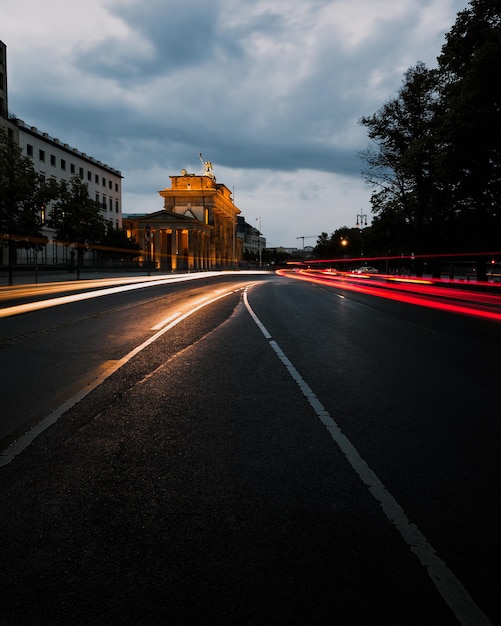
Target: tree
x=76, y=218
x=401, y=164
x=435, y=161
x=343, y=243
x=323, y=248
x=23, y=193
x=469, y=117
x=116, y=245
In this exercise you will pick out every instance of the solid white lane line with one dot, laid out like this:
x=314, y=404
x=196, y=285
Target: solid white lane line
x=166, y=321
x=449, y=587
x=25, y=440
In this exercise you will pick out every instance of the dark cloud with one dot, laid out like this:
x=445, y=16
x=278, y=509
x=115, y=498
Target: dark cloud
x=174, y=36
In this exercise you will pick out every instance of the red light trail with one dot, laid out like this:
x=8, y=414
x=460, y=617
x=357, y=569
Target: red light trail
x=426, y=293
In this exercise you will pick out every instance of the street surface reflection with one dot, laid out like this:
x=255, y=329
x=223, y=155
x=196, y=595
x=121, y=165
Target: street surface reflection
x=428, y=293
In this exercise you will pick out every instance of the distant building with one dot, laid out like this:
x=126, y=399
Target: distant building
x=196, y=228
x=253, y=242
x=56, y=160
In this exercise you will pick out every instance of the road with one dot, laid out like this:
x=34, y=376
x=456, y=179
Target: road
x=249, y=449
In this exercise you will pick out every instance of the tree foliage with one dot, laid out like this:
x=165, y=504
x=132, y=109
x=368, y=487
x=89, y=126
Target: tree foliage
x=116, y=245
x=401, y=160
x=434, y=161
x=469, y=119
x=342, y=243
x=75, y=217
x=23, y=194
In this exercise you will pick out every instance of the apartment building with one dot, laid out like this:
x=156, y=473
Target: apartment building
x=57, y=160
x=54, y=159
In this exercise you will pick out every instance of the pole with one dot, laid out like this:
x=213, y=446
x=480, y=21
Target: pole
x=147, y=244
x=10, y=252
x=234, y=222
x=260, y=252
x=361, y=225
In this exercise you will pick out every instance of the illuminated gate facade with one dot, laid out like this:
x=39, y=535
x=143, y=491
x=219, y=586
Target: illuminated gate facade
x=195, y=231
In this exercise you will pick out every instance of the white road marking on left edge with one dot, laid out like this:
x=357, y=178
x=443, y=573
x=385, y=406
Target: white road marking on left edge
x=450, y=588
x=166, y=321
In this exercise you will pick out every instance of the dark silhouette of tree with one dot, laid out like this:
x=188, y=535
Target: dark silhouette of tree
x=342, y=244
x=323, y=249
x=401, y=163
x=117, y=246
x=23, y=194
x=468, y=123
x=76, y=218
x=435, y=158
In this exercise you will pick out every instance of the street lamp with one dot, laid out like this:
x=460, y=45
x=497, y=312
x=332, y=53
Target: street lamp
x=147, y=245
x=360, y=224
x=363, y=219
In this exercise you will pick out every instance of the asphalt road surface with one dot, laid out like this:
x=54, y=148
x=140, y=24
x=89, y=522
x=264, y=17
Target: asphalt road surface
x=248, y=449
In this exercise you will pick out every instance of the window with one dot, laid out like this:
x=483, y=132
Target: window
x=97, y=198
x=116, y=206
x=63, y=164
x=116, y=187
x=104, y=181
x=110, y=184
x=29, y=150
x=41, y=155
x=80, y=173
x=72, y=168
x=89, y=176
x=53, y=160
x=96, y=179
x=111, y=204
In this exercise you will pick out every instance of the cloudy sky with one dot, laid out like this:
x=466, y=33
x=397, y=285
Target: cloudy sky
x=270, y=91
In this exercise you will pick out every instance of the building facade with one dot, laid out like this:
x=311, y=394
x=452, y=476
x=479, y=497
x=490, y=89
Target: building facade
x=253, y=242
x=56, y=160
x=196, y=228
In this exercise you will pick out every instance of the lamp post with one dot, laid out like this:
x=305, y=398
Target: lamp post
x=361, y=222
x=259, y=241
x=147, y=245
x=234, y=223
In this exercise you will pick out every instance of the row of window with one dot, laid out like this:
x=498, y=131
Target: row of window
x=73, y=169
x=110, y=203
x=105, y=204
